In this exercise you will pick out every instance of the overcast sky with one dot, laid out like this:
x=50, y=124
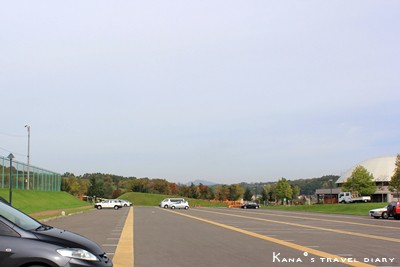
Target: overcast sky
x=220, y=90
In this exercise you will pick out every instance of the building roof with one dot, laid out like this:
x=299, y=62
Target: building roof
x=382, y=168
x=327, y=191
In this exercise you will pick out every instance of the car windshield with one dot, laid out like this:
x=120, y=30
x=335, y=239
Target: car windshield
x=20, y=219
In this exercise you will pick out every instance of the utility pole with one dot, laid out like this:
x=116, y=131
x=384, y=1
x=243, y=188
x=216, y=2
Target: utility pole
x=10, y=157
x=29, y=148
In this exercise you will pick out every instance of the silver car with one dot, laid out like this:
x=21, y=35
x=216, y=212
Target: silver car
x=166, y=203
x=379, y=213
x=108, y=203
x=180, y=205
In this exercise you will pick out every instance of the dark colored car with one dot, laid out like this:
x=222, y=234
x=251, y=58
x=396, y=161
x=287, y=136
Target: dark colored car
x=250, y=205
x=25, y=242
x=393, y=210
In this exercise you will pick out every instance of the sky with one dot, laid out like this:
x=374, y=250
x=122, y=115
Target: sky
x=225, y=90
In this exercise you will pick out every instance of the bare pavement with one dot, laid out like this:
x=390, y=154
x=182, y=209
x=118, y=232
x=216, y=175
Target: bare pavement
x=152, y=236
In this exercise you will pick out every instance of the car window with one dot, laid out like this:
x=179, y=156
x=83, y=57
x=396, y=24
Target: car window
x=6, y=231
x=15, y=216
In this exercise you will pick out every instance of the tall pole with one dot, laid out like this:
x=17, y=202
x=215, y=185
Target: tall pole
x=10, y=157
x=29, y=148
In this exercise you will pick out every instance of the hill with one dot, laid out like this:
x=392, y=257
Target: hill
x=32, y=201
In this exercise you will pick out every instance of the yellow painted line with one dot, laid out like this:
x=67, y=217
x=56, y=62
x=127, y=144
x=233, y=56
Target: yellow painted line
x=124, y=255
x=309, y=226
x=319, y=253
x=328, y=220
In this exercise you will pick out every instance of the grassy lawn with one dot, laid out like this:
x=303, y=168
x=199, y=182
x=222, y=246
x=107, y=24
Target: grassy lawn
x=353, y=208
x=38, y=202
x=32, y=201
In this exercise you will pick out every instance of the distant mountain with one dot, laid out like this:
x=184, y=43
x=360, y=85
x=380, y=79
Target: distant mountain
x=197, y=182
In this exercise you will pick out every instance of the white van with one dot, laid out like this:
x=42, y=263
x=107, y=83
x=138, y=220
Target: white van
x=166, y=203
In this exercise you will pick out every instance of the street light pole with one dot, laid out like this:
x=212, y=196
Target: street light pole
x=29, y=148
x=10, y=157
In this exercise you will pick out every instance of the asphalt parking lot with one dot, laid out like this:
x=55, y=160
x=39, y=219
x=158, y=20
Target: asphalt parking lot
x=102, y=226
x=234, y=237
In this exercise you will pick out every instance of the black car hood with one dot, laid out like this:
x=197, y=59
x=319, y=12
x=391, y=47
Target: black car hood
x=68, y=239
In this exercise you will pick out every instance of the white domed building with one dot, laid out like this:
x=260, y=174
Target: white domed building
x=382, y=169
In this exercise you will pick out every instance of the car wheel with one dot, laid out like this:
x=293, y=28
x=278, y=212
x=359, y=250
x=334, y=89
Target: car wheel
x=166, y=207
x=173, y=207
x=257, y=207
x=245, y=207
x=116, y=207
x=187, y=207
x=385, y=215
x=99, y=207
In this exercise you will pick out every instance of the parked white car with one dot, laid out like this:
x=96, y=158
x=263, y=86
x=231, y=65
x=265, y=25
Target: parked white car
x=180, y=205
x=379, y=213
x=125, y=203
x=167, y=203
x=108, y=203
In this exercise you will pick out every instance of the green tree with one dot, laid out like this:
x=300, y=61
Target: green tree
x=361, y=181
x=108, y=186
x=194, y=192
x=184, y=190
x=296, y=191
x=74, y=186
x=264, y=195
x=395, y=179
x=270, y=191
x=84, y=185
x=140, y=185
x=65, y=184
x=247, y=194
x=283, y=190
x=159, y=186
x=211, y=193
x=235, y=191
x=96, y=187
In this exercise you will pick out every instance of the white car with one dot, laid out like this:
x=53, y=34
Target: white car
x=167, y=203
x=379, y=213
x=108, y=203
x=180, y=205
x=125, y=203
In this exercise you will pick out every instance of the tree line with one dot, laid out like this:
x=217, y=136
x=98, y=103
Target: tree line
x=112, y=186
